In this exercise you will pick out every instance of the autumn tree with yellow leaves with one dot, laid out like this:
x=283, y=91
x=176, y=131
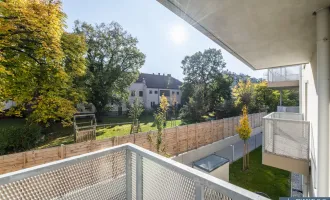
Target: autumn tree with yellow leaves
x=244, y=130
x=160, y=119
x=40, y=64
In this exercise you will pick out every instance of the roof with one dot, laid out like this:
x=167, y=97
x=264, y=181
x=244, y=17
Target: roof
x=260, y=33
x=159, y=81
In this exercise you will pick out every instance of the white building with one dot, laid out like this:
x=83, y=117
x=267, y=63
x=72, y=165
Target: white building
x=149, y=88
x=269, y=34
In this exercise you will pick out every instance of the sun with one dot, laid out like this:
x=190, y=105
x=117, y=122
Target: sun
x=178, y=34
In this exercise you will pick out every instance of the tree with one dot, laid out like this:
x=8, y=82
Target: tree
x=160, y=119
x=265, y=97
x=39, y=62
x=134, y=113
x=290, y=97
x=113, y=63
x=244, y=130
x=195, y=108
x=243, y=94
x=204, y=73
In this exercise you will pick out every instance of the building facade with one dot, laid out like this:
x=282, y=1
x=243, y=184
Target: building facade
x=148, y=89
x=270, y=35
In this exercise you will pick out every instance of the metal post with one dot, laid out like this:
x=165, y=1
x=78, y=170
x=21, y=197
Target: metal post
x=199, y=191
x=323, y=64
x=233, y=156
x=128, y=174
x=139, y=177
x=255, y=141
x=280, y=97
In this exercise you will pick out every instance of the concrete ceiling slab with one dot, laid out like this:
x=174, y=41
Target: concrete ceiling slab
x=261, y=33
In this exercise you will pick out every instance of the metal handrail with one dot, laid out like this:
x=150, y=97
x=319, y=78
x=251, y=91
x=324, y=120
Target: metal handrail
x=201, y=180
x=274, y=76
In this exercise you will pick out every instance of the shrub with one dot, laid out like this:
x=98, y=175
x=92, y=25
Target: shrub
x=17, y=139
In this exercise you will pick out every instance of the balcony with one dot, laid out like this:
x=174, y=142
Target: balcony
x=292, y=109
x=122, y=172
x=286, y=142
x=283, y=77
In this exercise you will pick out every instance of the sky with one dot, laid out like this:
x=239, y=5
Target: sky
x=163, y=37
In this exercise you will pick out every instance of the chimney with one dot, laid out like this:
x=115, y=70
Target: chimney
x=158, y=74
x=169, y=75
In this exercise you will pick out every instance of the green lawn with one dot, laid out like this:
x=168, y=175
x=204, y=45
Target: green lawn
x=260, y=178
x=57, y=135
x=120, y=130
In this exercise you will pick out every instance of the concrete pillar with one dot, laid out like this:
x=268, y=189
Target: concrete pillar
x=323, y=87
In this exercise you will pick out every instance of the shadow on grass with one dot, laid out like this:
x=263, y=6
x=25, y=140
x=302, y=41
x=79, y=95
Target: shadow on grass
x=260, y=178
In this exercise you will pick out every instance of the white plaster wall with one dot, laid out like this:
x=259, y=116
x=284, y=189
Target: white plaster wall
x=152, y=97
x=196, y=154
x=156, y=97
x=136, y=87
x=310, y=111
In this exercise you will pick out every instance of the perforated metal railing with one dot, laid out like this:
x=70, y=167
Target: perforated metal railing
x=291, y=73
x=286, y=134
x=122, y=172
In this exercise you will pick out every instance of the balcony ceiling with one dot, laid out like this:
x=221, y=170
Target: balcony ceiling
x=261, y=33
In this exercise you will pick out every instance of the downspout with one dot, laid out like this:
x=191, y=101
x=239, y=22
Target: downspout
x=323, y=87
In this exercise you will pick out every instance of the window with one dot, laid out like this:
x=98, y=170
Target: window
x=156, y=92
x=177, y=93
x=150, y=91
x=133, y=93
x=140, y=93
x=173, y=92
x=152, y=104
x=165, y=92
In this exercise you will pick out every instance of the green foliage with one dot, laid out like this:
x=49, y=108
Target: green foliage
x=259, y=97
x=244, y=130
x=113, y=63
x=195, y=108
x=266, y=97
x=243, y=93
x=205, y=85
x=160, y=122
x=260, y=178
x=17, y=139
x=39, y=62
x=136, y=109
x=290, y=97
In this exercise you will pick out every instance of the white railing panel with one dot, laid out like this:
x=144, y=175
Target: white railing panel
x=286, y=134
x=123, y=172
x=280, y=74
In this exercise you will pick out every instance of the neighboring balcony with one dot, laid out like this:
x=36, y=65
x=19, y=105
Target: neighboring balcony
x=122, y=172
x=286, y=142
x=283, y=77
x=291, y=109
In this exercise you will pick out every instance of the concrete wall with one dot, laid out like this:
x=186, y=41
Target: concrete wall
x=201, y=152
x=309, y=107
x=221, y=172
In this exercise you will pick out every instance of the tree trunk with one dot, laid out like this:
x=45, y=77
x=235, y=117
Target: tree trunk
x=247, y=155
x=243, y=156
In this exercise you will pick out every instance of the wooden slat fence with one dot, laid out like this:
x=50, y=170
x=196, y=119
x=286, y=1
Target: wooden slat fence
x=176, y=140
